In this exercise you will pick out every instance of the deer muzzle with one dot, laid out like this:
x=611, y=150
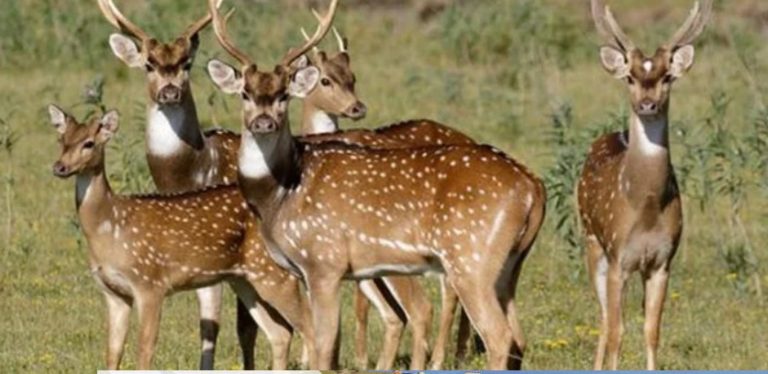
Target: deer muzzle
x=357, y=111
x=647, y=107
x=169, y=95
x=262, y=124
x=60, y=170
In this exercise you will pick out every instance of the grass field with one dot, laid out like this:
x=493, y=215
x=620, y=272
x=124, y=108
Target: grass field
x=520, y=74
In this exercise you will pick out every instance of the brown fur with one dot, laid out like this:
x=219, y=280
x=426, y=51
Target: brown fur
x=143, y=248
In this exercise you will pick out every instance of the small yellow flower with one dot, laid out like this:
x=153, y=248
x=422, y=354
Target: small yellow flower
x=674, y=295
x=731, y=276
x=594, y=332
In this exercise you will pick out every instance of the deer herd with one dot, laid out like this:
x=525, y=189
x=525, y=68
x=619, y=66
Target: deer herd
x=284, y=219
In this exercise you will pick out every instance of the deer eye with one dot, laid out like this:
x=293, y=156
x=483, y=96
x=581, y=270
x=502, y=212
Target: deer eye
x=667, y=79
x=325, y=82
x=149, y=68
x=283, y=98
x=88, y=144
x=245, y=96
x=630, y=80
x=188, y=65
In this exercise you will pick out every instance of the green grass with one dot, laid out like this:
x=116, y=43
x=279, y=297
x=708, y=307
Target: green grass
x=498, y=70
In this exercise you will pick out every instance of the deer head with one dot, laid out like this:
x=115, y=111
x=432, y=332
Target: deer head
x=82, y=146
x=649, y=77
x=167, y=65
x=266, y=94
x=335, y=93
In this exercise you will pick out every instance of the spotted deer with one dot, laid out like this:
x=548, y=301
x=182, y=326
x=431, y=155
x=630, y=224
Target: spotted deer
x=180, y=155
x=332, y=211
x=144, y=248
x=399, y=300
x=628, y=198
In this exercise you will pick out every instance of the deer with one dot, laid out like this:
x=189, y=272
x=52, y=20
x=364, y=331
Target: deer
x=628, y=196
x=145, y=248
x=210, y=161
x=181, y=157
x=399, y=300
x=332, y=211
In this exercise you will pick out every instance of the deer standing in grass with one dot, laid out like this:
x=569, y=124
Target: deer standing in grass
x=398, y=299
x=180, y=155
x=143, y=248
x=333, y=211
x=629, y=201
x=182, y=158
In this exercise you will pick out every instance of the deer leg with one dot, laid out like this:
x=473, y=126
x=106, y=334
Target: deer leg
x=655, y=292
x=412, y=298
x=289, y=300
x=247, y=330
x=277, y=331
x=447, y=310
x=480, y=301
x=361, y=328
x=462, y=336
x=149, y=305
x=326, y=312
x=119, y=316
x=597, y=265
x=615, y=325
x=209, y=299
x=393, y=324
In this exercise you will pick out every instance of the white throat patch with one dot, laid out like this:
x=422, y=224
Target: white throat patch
x=650, y=135
x=162, y=140
x=255, y=154
x=322, y=123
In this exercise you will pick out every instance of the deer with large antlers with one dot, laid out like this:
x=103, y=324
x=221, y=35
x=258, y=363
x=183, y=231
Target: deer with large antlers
x=629, y=201
x=143, y=248
x=332, y=211
x=180, y=155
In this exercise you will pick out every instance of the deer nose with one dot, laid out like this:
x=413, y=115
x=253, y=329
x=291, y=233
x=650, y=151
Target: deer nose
x=357, y=111
x=169, y=94
x=263, y=124
x=648, y=107
x=60, y=170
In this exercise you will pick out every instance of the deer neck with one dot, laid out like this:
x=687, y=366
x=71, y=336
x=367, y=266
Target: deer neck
x=646, y=173
x=317, y=121
x=94, y=199
x=173, y=132
x=268, y=167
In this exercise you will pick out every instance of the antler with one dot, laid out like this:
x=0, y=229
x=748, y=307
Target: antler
x=322, y=30
x=116, y=18
x=220, y=29
x=201, y=23
x=341, y=40
x=609, y=28
x=306, y=37
x=692, y=27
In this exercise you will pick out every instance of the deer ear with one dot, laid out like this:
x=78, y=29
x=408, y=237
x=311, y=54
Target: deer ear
x=126, y=50
x=227, y=78
x=303, y=82
x=682, y=60
x=344, y=57
x=59, y=119
x=615, y=62
x=108, y=126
